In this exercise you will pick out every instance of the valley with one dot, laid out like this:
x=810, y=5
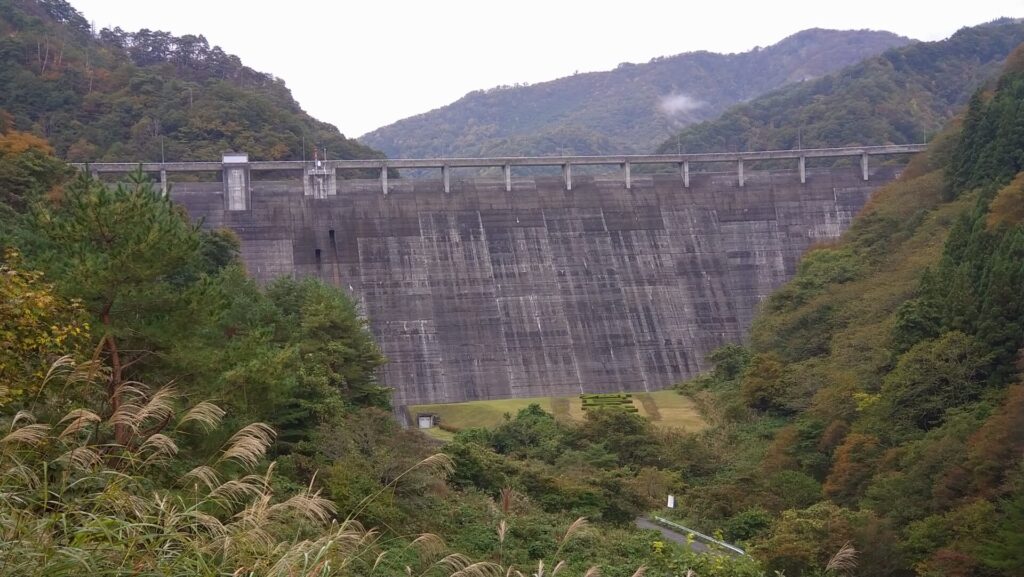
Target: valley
x=782, y=310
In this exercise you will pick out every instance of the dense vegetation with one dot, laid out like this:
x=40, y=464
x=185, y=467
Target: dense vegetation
x=903, y=96
x=147, y=95
x=164, y=415
x=880, y=398
x=627, y=110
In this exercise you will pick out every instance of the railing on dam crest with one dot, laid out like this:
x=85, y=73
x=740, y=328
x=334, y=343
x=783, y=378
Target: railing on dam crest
x=320, y=176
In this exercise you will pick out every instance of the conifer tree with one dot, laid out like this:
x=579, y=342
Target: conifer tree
x=121, y=251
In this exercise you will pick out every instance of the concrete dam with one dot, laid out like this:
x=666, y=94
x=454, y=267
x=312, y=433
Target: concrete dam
x=521, y=286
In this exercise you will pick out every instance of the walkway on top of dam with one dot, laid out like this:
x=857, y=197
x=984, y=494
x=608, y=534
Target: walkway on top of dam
x=320, y=176
x=510, y=161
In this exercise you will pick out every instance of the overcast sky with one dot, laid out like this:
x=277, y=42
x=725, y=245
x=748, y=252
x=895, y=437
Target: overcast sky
x=367, y=64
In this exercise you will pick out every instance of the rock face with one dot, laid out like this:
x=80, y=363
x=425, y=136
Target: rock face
x=482, y=294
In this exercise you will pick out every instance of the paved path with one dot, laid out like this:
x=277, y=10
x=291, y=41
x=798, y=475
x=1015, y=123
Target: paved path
x=674, y=536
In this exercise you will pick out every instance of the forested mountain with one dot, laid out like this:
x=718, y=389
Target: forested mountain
x=880, y=398
x=627, y=110
x=120, y=96
x=901, y=96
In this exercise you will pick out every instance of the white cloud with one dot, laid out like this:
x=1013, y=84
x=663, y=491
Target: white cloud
x=679, y=104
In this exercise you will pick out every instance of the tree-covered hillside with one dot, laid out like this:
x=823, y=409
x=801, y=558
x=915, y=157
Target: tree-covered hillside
x=627, y=110
x=120, y=96
x=903, y=96
x=880, y=397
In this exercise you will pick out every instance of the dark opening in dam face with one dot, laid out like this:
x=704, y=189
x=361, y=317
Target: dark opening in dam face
x=482, y=293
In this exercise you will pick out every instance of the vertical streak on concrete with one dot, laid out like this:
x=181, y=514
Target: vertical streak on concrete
x=446, y=177
x=567, y=287
x=636, y=349
x=864, y=165
x=803, y=170
x=573, y=344
x=163, y=182
x=686, y=174
x=627, y=176
x=508, y=178
x=567, y=175
x=481, y=256
x=630, y=296
x=236, y=187
x=429, y=247
x=573, y=356
x=384, y=179
x=332, y=241
x=739, y=171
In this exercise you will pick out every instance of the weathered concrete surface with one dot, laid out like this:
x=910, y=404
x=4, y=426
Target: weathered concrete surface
x=483, y=293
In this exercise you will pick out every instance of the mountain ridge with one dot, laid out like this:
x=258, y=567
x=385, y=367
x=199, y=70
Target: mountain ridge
x=897, y=97
x=114, y=95
x=628, y=109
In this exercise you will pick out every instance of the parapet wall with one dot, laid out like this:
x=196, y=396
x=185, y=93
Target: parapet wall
x=482, y=293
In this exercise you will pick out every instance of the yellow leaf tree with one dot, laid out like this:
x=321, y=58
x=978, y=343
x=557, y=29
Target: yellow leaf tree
x=36, y=327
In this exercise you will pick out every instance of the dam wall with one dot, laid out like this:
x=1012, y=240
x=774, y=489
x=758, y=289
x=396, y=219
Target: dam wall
x=523, y=287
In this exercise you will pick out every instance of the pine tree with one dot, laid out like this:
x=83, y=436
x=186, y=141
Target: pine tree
x=121, y=251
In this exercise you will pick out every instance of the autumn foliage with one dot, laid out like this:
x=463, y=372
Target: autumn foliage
x=37, y=326
x=884, y=383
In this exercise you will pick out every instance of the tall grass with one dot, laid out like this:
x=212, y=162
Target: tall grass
x=73, y=501
x=104, y=493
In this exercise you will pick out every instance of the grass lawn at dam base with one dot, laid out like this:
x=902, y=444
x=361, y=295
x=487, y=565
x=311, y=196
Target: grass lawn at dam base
x=666, y=409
